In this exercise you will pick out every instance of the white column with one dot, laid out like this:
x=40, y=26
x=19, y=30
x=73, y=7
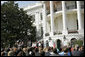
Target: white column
x=52, y=18
x=37, y=24
x=37, y=20
x=65, y=31
x=44, y=18
x=80, y=22
x=48, y=27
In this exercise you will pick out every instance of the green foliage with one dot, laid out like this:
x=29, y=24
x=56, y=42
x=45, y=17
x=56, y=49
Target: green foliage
x=79, y=42
x=15, y=24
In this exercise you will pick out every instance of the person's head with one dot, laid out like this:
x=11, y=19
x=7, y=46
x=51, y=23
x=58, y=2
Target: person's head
x=10, y=53
x=42, y=41
x=40, y=49
x=81, y=48
x=77, y=48
x=45, y=49
x=66, y=50
x=51, y=49
x=2, y=53
x=20, y=53
x=14, y=49
x=42, y=53
x=54, y=50
x=36, y=50
x=69, y=49
x=60, y=49
x=74, y=49
x=11, y=49
x=2, y=49
x=7, y=50
x=24, y=49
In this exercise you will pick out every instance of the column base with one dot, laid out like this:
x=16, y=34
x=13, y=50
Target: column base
x=65, y=32
x=81, y=31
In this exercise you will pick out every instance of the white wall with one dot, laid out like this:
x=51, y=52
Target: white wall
x=72, y=22
x=83, y=20
x=48, y=27
x=58, y=24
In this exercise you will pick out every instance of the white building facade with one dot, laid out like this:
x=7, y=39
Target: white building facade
x=58, y=20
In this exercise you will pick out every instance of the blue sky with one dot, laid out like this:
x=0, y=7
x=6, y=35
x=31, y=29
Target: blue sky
x=23, y=3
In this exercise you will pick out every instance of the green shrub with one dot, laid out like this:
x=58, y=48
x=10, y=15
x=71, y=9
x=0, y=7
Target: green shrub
x=79, y=42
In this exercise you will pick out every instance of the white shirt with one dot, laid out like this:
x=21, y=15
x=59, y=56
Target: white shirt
x=51, y=43
x=39, y=44
x=34, y=45
x=65, y=43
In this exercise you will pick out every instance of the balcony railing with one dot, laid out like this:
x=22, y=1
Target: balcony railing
x=67, y=7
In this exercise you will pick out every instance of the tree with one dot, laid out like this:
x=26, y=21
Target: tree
x=79, y=42
x=15, y=24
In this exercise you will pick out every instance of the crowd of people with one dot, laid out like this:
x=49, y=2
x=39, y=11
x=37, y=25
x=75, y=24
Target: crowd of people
x=38, y=49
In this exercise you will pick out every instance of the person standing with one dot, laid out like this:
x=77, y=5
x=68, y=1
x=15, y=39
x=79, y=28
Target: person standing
x=47, y=44
x=29, y=43
x=36, y=44
x=39, y=44
x=54, y=45
x=51, y=43
x=42, y=44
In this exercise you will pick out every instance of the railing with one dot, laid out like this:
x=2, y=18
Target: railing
x=55, y=33
x=59, y=33
x=67, y=7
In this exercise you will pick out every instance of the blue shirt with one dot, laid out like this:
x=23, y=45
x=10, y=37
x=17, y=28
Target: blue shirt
x=61, y=53
x=69, y=54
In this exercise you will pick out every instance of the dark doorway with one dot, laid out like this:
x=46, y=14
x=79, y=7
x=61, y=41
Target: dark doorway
x=58, y=44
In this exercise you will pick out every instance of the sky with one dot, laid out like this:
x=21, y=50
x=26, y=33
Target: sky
x=23, y=4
